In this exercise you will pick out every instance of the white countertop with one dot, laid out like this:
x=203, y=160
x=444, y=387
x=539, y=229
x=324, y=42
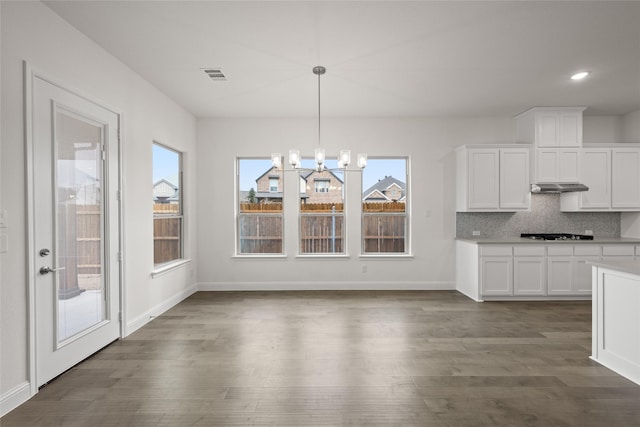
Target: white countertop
x=630, y=267
x=522, y=240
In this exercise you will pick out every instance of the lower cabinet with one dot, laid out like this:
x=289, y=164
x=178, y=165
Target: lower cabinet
x=529, y=270
x=561, y=270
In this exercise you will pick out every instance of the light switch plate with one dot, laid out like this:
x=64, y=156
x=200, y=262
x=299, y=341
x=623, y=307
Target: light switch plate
x=3, y=218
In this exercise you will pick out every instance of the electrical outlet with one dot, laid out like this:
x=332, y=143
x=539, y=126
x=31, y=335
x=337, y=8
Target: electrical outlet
x=3, y=218
x=476, y=233
x=588, y=232
x=364, y=268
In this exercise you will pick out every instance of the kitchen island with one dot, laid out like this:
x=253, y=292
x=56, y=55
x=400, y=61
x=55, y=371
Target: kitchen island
x=616, y=317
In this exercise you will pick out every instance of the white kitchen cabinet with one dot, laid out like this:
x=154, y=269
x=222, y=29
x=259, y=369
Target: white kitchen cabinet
x=515, y=190
x=613, y=178
x=551, y=127
x=529, y=275
x=560, y=275
x=582, y=284
x=491, y=179
x=596, y=175
x=496, y=276
x=556, y=165
x=625, y=178
x=496, y=270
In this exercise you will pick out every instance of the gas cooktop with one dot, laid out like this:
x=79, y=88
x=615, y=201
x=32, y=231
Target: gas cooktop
x=556, y=236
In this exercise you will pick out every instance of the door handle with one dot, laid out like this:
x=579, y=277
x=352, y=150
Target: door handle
x=46, y=270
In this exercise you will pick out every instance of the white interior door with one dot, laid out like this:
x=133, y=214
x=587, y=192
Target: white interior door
x=76, y=228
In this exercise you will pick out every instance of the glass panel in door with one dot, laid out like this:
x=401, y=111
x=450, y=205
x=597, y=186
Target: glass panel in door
x=79, y=224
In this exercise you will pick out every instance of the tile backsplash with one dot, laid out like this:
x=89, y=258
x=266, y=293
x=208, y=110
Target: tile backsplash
x=544, y=217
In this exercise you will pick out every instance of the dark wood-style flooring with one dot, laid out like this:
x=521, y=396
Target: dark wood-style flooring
x=344, y=358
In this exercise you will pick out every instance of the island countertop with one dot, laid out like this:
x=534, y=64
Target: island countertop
x=629, y=267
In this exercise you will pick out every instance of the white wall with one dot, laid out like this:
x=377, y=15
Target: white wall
x=631, y=127
x=429, y=144
x=32, y=32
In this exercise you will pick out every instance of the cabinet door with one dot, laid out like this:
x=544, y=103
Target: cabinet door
x=570, y=129
x=547, y=129
x=569, y=165
x=559, y=129
x=557, y=165
x=496, y=276
x=596, y=174
x=515, y=192
x=625, y=192
x=560, y=270
x=529, y=276
x=582, y=275
x=483, y=179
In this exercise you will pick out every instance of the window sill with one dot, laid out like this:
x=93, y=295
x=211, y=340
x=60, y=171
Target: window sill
x=170, y=266
x=323, y=256
x=259, y=256
x=386, y=256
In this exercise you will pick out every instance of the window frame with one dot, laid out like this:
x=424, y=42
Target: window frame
x=238, y=214
x=301, y=214
x=180, y=215
x=406, y=214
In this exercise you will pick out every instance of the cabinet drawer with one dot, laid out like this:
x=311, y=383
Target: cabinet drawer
x=560, y=250
x=618, y=250
x=530, y=250
x=496, y=250
x=586, y=250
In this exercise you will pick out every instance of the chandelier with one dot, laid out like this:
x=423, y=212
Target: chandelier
x=344, y=157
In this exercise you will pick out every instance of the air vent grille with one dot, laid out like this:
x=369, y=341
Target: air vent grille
x=215, y=74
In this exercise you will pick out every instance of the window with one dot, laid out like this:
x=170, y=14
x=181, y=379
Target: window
x=384, y=201
x=273, y=184
x=168, y=220
x=322, y=185
x=260, y=216
x=321, y=209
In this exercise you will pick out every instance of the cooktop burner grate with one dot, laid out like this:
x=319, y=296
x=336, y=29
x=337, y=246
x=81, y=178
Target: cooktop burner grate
x=556, y=236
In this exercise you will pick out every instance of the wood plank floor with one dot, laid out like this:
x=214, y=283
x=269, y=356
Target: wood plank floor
x=344, y=358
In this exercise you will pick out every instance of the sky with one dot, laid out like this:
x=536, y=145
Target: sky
x=166, y=163
x=251, y=169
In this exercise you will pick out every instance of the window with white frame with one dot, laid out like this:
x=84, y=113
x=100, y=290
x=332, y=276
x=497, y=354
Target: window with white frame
x=259, y=213
x=384, y=206
x=322, y=224
x=168, y=219
x=273, y=184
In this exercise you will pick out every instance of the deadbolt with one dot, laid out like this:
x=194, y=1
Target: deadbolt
x=44, y=252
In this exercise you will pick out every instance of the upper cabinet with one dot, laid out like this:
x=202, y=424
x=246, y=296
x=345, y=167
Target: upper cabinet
x=551, y=127
x=492, y=179
x=613, y=177
x=556, y=135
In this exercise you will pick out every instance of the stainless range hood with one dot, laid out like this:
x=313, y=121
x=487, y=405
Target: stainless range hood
x=555, y=188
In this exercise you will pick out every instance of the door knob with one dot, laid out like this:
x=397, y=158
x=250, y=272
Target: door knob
x=46, y=270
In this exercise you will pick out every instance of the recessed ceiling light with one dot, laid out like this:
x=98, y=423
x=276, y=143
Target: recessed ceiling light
x=580, y=76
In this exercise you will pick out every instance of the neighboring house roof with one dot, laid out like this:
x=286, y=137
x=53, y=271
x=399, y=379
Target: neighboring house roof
x=276, y=173
x=378, y=191
x=166, y=188
x=308, y=175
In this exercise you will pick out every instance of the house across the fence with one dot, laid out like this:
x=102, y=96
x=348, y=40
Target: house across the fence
x=322, y=187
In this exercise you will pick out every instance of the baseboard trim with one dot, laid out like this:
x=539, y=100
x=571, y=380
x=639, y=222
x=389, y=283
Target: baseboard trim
x=326, y=286
x=157, y=310
x=14, y=398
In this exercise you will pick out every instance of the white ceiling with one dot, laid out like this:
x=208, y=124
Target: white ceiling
x=417, y=58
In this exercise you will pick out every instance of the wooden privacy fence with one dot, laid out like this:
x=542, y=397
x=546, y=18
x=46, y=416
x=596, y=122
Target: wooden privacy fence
x=321, y=227
x=167, y=233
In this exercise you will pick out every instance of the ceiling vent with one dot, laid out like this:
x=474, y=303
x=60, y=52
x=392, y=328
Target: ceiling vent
x=215, y=74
